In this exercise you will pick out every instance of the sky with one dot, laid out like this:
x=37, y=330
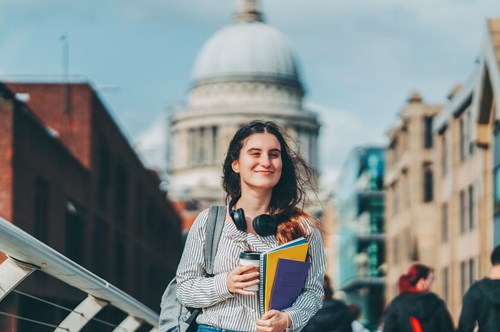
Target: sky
x=359, y=59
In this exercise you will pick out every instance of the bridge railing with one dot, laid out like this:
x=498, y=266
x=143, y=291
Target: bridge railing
x=26, y=254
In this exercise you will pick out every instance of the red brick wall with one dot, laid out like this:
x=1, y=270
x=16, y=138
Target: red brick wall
x=65, y=108
x=143, y=240
x=6, y=159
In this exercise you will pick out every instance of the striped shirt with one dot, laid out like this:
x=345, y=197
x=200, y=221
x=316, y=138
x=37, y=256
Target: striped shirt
x=224, y=309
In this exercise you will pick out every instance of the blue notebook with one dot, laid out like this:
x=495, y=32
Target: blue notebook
x=288, y=284
x=263, y=295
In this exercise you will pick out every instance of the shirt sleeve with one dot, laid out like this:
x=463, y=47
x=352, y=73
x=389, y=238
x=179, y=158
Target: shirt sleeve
x=194, y=289
x=468, y=316
x=311, y=298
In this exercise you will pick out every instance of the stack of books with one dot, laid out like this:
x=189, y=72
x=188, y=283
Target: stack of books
x=283, y=272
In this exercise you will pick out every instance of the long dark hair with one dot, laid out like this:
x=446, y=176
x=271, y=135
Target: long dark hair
x=296, y=176
x=407, y=282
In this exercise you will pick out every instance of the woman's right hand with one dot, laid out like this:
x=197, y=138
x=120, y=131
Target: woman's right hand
x=242, y=277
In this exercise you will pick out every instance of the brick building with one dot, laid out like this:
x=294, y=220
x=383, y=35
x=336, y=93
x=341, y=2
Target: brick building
x=69, y=177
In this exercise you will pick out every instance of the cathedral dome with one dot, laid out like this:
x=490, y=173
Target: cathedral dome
x=246, y=50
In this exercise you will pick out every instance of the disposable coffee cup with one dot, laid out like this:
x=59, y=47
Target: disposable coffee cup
x=250, y=258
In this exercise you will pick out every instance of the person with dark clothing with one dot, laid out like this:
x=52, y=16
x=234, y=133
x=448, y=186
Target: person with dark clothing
x=481, y=303
x=427, y=307
x=416, y=305
x=334, y=316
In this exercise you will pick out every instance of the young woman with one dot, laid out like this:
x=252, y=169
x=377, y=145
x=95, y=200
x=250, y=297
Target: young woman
x=417, y=305
x=264, y=184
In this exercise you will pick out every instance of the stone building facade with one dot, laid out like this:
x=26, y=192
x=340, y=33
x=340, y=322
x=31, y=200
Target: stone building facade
x=246, y=71
x=447, y=215
x=410, y=210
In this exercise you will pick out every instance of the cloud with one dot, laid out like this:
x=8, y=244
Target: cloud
x=151, y=145
x=340, y=132
x=169, y=12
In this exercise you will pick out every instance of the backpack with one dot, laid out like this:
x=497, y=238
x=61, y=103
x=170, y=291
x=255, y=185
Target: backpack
x=175, y=317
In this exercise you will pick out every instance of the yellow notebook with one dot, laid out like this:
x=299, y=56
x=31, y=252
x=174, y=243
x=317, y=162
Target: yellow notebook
x=297, y=252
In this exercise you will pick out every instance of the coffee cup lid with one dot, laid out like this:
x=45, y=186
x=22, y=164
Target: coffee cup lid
x=250, y=255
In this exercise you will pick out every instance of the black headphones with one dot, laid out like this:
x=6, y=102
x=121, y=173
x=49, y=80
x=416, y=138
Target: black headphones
x=264, y=224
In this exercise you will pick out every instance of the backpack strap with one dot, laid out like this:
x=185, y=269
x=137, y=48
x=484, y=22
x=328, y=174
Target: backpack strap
x=415, y=324
x=215, y=224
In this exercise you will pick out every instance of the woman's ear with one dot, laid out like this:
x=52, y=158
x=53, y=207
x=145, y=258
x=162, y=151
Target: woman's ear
x=235, y=166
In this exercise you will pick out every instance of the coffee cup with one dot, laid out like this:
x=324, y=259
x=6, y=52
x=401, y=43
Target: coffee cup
x=251, y=258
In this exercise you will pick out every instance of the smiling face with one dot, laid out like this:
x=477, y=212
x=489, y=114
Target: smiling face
x=259, y=163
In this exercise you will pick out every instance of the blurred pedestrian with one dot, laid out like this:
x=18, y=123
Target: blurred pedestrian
x=481, y=303
x=333, y=317
x=416, y=308
x=356, y=314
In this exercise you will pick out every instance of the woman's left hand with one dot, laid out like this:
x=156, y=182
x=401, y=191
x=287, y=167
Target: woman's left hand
x=273, y=321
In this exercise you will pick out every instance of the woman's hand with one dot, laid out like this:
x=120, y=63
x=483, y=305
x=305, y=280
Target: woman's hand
x=274, y=321
x=242, y=277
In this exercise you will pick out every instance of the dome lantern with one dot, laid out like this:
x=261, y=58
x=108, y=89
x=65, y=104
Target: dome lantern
x=248, y=11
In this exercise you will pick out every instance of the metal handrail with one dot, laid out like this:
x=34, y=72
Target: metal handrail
x=24, y=248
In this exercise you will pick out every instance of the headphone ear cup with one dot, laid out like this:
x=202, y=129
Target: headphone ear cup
x=265, y=225
x=239, y=220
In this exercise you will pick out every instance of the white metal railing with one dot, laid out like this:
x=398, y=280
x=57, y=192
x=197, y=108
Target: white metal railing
x=27, y=254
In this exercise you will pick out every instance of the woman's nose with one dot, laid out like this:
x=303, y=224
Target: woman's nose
x=265, y=161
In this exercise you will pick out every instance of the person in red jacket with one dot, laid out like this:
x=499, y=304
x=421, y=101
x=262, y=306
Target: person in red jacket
x=416, y=308
x=481, y=303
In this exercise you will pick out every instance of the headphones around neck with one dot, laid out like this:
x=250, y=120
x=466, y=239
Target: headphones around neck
x=264, y=224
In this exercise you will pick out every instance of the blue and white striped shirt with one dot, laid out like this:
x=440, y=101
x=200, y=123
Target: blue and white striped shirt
x=224, y=309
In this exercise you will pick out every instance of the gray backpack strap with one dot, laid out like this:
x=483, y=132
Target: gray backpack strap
x=215, y=224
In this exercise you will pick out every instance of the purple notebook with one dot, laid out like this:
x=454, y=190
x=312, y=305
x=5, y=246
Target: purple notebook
x=288, y=283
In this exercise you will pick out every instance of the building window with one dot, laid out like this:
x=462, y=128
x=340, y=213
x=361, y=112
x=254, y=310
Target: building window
x=462, y=211
x=75, y=232
x=41, y=222
x=428, y=183
x=463, y=140
x=471, y=206
x=445, y=284
x=444, y=154
x=202, y=158
x=214, y=145
x=472, y=270
x=396, y=151
x=444, y=222
x=428, y=132
x=470, y=124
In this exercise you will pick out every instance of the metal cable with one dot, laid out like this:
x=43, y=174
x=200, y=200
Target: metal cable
x=45, y=301
x=32, y=320
x=104, y=322
x=64, y=308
